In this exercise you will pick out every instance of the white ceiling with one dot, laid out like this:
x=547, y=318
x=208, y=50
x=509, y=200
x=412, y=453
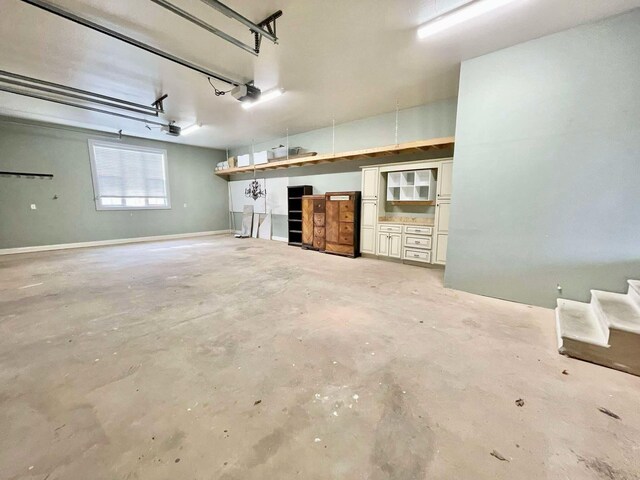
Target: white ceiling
x=336, y=59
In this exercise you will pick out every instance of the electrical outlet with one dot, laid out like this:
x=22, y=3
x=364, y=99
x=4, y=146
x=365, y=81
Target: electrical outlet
x=33, y=206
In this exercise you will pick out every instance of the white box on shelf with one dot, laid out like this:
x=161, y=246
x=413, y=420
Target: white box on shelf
x=244, y=160
x=260, y=157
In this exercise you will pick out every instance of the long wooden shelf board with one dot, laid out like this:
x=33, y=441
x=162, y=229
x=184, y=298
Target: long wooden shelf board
x=402, y=148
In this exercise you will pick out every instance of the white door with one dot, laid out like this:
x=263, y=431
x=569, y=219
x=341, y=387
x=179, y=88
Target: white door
x=369, y=216
x=383, y=243
x=368, y=240
x=445, y=180
x=442, y=217
x=395, y=245
x=441, y=249
x=370, y=183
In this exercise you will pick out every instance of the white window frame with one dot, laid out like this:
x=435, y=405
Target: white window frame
x=124, y=146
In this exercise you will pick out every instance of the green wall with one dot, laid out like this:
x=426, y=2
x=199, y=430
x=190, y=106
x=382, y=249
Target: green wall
x=71, y=218
x=546, y=177
x=437, y=119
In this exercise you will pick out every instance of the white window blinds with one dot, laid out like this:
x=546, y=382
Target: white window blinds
x=128, y=177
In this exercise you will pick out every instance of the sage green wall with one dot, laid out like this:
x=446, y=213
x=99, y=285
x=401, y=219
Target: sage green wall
x=73, y=217
x=437, y=119
x=546, y=176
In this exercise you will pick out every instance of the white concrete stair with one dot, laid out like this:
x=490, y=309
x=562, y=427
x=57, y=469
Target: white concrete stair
x=605, y=331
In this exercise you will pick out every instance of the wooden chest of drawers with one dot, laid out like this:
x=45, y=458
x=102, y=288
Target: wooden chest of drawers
x=313, y=222
x=342, y=223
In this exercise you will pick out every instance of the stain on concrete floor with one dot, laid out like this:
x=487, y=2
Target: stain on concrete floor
x=127, y=358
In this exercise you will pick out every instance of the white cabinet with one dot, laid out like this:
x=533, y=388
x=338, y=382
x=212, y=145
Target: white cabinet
x=368, y=240
x=370, y=183
x=368, y=223
x=445, y=180
x=441, y=249
x=442, y=232
x=442, y=217
x=411, y=185
x=390, y=241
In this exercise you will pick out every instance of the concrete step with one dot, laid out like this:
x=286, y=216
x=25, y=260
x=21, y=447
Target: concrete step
x=616, y=310
x=634, y=291
x=577, y=321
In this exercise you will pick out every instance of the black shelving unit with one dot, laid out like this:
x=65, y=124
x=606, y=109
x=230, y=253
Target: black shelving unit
x=294, y=201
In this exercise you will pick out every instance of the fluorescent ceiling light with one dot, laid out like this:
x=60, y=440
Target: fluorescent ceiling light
x=459, y=15
x=190, y=129
x=264, y=97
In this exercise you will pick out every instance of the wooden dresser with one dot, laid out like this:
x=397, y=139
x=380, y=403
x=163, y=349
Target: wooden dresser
x=313, y=222
x=342, y=223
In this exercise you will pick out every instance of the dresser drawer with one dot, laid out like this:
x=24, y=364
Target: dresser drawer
x=390, y=228
x=417, y=242
x=417, y=255
x=318, y=219
x=418, y=230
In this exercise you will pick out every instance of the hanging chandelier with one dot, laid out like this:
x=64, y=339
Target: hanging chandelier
x=254, y=190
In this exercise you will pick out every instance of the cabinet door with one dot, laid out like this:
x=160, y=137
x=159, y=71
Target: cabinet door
x=368, y=240
x=370, y=183
x=369, y=214
x=442, y=217
x=383, y=243
x=445, y=180
x=441, y=249
x=332, y=222
x=395, y=245
x=307, y=220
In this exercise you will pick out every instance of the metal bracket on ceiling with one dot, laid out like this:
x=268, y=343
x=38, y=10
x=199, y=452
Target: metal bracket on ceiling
x=268, y=24
x=158, y=103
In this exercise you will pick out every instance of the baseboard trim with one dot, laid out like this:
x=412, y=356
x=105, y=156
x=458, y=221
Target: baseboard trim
x=115, y=241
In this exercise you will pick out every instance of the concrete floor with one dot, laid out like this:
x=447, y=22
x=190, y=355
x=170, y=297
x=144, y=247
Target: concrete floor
x=218, y=358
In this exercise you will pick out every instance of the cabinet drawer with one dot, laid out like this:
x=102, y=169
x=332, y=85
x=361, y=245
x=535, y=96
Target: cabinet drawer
x=417, y=255
x=418, y=230
x=390, y=228
x=346, y=228
x=318, y=206
x=318, y=232
x=417, y=242
x=346, y=239
x=318, y=219
x=346, y=216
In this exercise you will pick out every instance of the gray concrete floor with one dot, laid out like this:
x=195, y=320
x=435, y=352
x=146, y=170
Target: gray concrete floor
x=218, y=358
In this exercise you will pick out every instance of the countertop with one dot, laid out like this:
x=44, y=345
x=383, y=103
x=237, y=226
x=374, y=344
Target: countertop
x=407, y=221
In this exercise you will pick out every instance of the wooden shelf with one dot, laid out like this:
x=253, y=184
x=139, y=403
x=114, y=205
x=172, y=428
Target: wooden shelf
x=402, y=148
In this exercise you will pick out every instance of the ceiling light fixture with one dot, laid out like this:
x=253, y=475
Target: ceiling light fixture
x=264, y=97
x=459, y=15
x=190, y=129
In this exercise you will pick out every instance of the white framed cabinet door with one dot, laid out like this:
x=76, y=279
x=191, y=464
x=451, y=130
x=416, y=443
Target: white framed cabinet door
x=368, y=224
x=383, y=244
x=442, y=232
x=445, y=180
x=395, y=245
x=368, y=240
x=442, y=217
x=441, y=249
x=370, y=183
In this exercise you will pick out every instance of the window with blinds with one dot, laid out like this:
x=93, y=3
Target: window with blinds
x=128, y=177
